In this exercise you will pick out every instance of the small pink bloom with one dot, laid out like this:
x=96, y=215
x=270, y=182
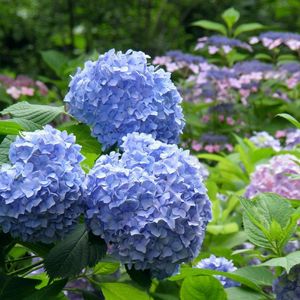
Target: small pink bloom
x=209, y=148
x=229, y=147
x=14, y=92
x=196, y=146
x=280, y=134
x=27, y=91
x=42, y=88
x=212, y=49
x=205, y=118
x=230, y=121
x=221, y=118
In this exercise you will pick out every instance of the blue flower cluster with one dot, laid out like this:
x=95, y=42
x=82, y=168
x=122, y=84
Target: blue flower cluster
x=41, y=191
x=149, y=204
x=219, y=264
x=120, y=94
x=287, y=286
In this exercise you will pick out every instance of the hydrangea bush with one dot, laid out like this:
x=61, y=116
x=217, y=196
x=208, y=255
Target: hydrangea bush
x=104, y=203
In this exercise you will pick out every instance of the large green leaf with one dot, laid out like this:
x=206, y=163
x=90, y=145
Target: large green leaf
x=56, y=61
x=122, y=291
x=258, y=274
x=269, y=220
x=4, y=148
x=290, y=119
x=39, y=114
x=106, y=268
x=247, y=27
x=211, y=26
x=78, y=250
x=13, y=288
x=237, y=293
x=202, y=288
x=286, y=262
x=9, y=127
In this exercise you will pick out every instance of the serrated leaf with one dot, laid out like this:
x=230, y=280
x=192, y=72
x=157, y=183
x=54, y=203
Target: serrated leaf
x=12, y=288
x=27, y=124
x=122, y=291
x=247, y=27
x=202, y=288
x=48, y=292
x=286, y=262
x=78, y=250
x=39, y=114
x=211, y=26
x=230, y=16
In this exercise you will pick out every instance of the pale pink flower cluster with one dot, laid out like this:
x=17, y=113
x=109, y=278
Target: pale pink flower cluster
x=276, y=176
x=22, y=86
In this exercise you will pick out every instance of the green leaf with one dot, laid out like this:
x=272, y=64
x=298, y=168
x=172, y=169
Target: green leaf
x=166, y=290
x=263, y=56
x=56, y=61
x=122, y=291
x=211, y=26
x=247, y=27
x=13, y=288
x=187, y=271
x=48, y=292
x=39, y=114
x=141, y=277
x=230, y=16
x=202, y=288
x=27, y=124
x=238, y=293
x=4, y=148
x=266, y=218
x=106, y=268
x=286, y=262
x=259, y=275
x=290, y=119
x=9, y=127
x=78, y=250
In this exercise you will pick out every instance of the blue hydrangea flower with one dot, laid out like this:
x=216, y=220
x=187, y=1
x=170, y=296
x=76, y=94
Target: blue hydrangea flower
x=219, y=264
x=41, y=192
x=263, y=139
x=149, y=204
x=119, y=94
x=287, y=286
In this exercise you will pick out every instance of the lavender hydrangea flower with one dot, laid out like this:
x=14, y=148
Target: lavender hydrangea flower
x=276, y=177
x=251, y=66
x=119, y=94
x=217, y=42
x=41, y=192
x=219, y=264
x=292, y=139
x=287, y=286
x=263, y=139
x=149, y=204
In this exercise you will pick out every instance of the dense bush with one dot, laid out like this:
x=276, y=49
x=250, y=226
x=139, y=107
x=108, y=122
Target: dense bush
x=100, y=200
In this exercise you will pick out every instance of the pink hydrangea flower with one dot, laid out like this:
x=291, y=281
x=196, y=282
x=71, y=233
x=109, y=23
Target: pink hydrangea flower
x=14, y=92
x=276, y=176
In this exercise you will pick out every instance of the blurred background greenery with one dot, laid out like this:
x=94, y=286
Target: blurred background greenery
x=28, y=27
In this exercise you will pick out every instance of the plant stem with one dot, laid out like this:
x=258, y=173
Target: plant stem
x=25, y=269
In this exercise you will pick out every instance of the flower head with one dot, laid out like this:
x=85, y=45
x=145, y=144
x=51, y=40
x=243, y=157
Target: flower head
x=219, y=264
x=263, y=139
x=41, y=192
x=276, y=177
x=149, y=204
x=292, y=139
x=287, y=286
x=120, y=93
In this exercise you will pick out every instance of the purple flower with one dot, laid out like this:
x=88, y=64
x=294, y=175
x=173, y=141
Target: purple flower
x=263, y=139
x=292, y=139
x=276, y=177
x=41, y=192
x=149, y=204
x=287, y=286
x=120, y=93
x=219, y=264
x=251, y=66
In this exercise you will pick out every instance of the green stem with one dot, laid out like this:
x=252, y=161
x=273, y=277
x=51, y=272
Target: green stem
x=25, y=269
x=19, y=259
